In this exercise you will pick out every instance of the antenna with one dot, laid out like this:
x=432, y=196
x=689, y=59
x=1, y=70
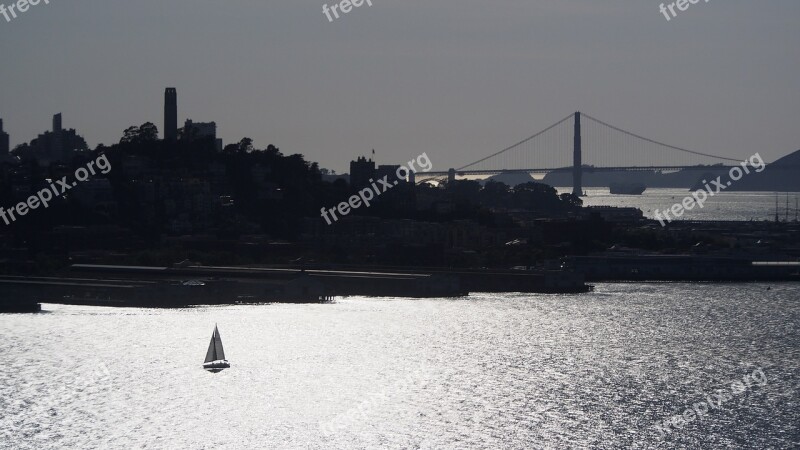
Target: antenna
x=777, y=218
x=787, y=207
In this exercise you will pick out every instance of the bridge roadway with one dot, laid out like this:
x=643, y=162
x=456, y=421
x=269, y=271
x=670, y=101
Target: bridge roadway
x=569, y=169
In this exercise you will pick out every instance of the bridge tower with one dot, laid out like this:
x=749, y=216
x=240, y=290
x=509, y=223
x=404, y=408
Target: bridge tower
x=577, y=169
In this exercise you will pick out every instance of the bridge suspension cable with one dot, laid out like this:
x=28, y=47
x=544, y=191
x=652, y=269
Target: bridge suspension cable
x=510, y=147
x=654, y=141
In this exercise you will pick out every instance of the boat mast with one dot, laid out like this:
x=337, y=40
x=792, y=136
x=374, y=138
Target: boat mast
x=214, y=342
x=777, y=218
x=787, y=207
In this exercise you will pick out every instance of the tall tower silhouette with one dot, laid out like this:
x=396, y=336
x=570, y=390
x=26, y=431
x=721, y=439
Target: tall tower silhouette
x=57, y=143
x=4, y=140
x=170, y=115
x=57, y=123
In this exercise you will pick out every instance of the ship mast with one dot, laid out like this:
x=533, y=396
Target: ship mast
x=777, y=218
x=787, y=207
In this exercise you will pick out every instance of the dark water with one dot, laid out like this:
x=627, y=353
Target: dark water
x=601, y=370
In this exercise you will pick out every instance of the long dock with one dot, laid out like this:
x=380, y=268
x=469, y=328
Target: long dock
x=136, y=286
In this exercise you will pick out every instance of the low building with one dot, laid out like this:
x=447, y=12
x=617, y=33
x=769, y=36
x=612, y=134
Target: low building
x=616, y=214
x=199, y=130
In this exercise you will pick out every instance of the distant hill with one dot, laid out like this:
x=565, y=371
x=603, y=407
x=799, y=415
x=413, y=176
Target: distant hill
x=510, y=178
x=781, y=176
x=652, y=179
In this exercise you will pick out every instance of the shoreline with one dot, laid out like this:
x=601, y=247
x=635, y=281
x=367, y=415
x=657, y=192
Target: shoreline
x=179, y=287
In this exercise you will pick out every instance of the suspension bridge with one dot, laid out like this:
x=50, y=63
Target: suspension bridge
x=582, y=143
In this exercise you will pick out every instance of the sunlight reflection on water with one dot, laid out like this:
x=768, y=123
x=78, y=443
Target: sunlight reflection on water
x=511, y=371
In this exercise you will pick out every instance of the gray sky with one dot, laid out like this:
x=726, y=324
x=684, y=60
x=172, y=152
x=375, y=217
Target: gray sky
x=456, y=79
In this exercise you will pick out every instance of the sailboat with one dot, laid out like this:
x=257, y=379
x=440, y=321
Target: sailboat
x=215, y=357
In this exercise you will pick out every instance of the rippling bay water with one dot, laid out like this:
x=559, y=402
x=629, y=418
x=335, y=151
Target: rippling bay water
x=728, y=205
x=598, y=370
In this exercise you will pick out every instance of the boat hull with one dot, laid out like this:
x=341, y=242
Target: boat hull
x=216, y=366
x=627, y=188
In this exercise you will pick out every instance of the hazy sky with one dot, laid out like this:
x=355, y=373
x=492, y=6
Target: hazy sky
x=457, y=79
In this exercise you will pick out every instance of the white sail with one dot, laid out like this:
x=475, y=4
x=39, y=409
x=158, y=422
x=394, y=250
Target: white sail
x=211, y=355
x=219, y=352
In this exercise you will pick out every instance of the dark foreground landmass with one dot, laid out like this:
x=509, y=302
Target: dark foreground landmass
x=182, y=223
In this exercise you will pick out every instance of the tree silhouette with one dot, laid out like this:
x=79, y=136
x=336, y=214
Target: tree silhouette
x=147, y=132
